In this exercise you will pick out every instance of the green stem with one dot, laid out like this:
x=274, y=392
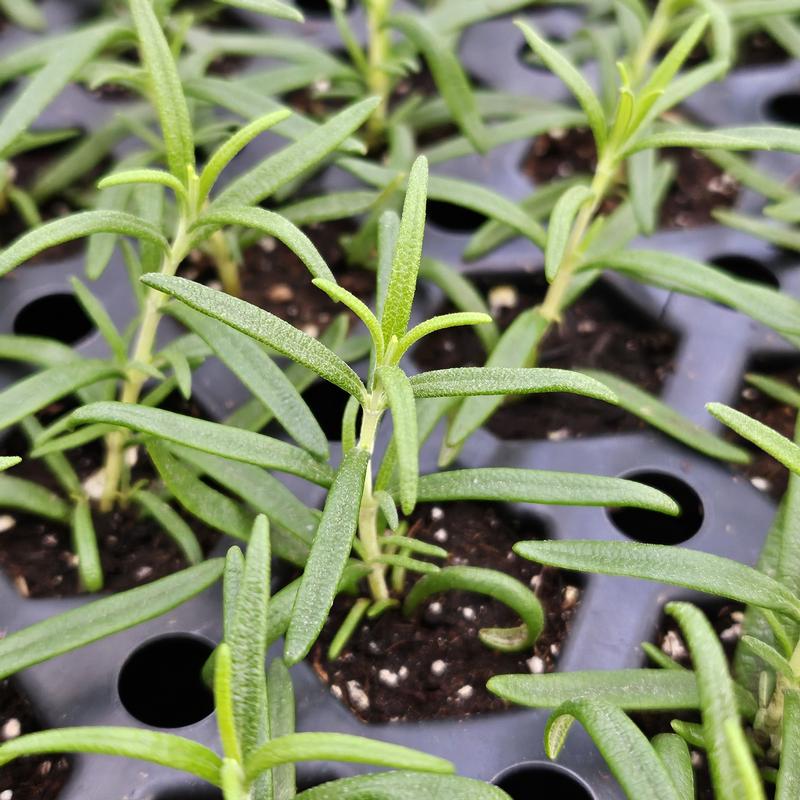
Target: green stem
x=368, y=513
x=378, y=53
x=227, y=268
x=143, y=354
x=653, y=38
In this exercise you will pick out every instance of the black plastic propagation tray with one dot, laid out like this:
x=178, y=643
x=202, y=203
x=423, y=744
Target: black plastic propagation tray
x=615, y=615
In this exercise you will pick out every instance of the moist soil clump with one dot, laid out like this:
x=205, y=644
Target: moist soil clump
x=37, y=553
x=275, y=279
x=600, y=331
x=763, y=471
x=36, y=777
x=699, y=185
x=433, y=664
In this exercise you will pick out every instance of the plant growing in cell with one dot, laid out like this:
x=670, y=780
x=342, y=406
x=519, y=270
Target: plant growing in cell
x=138, y=368
x=362, y=500
x=255, y=716
x=750, y=710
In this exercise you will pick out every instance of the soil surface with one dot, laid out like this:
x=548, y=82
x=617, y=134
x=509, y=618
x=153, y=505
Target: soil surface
x=698, y=188
x=764, y=472
x=275, y=279
x=34, y=778
x=37, y=554
x=600, y=331
x=433, y=665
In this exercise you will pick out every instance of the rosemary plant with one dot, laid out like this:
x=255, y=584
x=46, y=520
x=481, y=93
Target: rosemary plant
x=751, y=720
x=255, y=717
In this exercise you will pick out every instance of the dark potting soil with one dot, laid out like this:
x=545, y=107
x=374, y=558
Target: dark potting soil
x=275, y=279
x=699, y=186
x=600, y=331
x=433, y=665
x=764, y=472
x=727, y=623
x=34, y=778
x=38, y=556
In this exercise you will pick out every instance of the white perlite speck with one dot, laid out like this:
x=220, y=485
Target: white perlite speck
x=440, y=535
x=435, y=607
x=503, y=297
x=336, y=691
x=437, y=514
x=535, y=665
x=438, y=667
x=571, y=595
x=388, y=678
x=465, y=692
x=403, y=672
x=7, y=522
x=358, y=697
x=11, y=729
x=762, y=484
x=469, y=613
x=6, y=794
x=559, y=434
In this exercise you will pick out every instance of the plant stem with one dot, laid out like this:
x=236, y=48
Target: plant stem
x=227, y=268
x=368, y=513
x=379, y=51
x=142, y=354
x=653, y=37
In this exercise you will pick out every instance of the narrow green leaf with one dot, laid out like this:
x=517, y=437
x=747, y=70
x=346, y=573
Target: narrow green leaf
x=624, y=747
x=576, y=83
x=247, y=640
x=271, y=8
x=37, y=391
x=294, y=160
x=677, y=760
x=542, y=486
x=403, y=786
x=769, y=655
x=76, y=226
x=439, y=323
x=97, y=313
x=769, y=440
x=200, y=500
x=448, y=75
x=498, y=585
x=329, y=552
x=341, y=747
x=692, y=569
x=280, y=694
x=560, y=227
x=263, y=327
x=137, y=176
x=80, y=626
x=261, y=375
x=271, y=224
x=336, y=205
x=172, y=523
x=779, y=235
x=789, y=773
x=641, y=184
x=407, y=254
x=661, y=416
x=776, y=389
x=754, y=137
x=165, y=83
x=733, y=771
x=31, y=498
x=358, y=307
x=137, y=743
x=627, y=689
x=84, y=540
x=6, y=462
x=223, y=703
x=476, y=381
x=208, y=437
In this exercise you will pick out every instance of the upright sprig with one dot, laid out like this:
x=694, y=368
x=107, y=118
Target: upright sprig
x=360, y=506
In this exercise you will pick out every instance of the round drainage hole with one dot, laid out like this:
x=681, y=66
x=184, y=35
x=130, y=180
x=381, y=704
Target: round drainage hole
x=161, y=683
x=451, y=217
x=747, y=269
x=784, y=108
x=527, y=781
x=56, y=316
x=655, y=528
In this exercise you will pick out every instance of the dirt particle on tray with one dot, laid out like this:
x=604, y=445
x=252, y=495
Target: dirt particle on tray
x=600, y=331
x=34, y=778
x=699, y=185
x=433, y=665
